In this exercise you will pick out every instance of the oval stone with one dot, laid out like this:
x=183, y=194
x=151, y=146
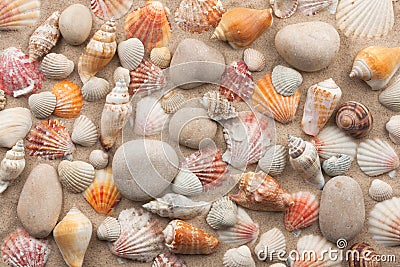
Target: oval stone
x=75, y=24
x=40, y=202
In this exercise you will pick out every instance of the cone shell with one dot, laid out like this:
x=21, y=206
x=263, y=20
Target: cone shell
x=72, y=236
x=303, y=213
x=98, y=52
x=13, y=164
x=363, y=255
x=355, y=119
x=69, y=99
x=272, y=244
x=172, y=101
x=380, y=190
x=3, y=100
x=286, y=81
x=161, y=57
x=393, y=127
x=121, y=73
x=95, y=89
x=254, y=59
x=337, y=165
x=107, y=9
x=16, y=14
x=312, y=7
x=84, y=132
x=218, y=107
x=98, y=159
x=76, y=176
x=274, y=160
x=187, y=183
x=168, y=259
x=146, y=78
x=390, y=98
x=223, y=213
x=109, y=230
x=183, y=238
x=43, y=104
x=240, y=27
x=45, y=37
x=56, y=66
x=239, y=257
x=130, y=53
x=259, y=191
x=236, y=82
x=284, y=9
x=149, y=24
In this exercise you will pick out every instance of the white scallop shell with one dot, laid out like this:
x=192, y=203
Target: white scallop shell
x=312, y=7
x=186, y=183
x=393, y=127
x=271, y=245
x=130, y=53
x=3, y=100
x=238, y=257
x=84, y=132
x=76, y=176
x=254, y=59
x=337, y=165
x=376, y=157
x=15, y=124
x=380, y=190
x=42, y=104
x=161, y=56
x=172, y=101
x=284, y=8
x=223, y=213
x=109, y=229
x=12, y=165
x=57, y=66
x=99, y=159
x=95, y=89
x=121, y=73
x=286, y=80
x=274, y=160
x=218, y=107
x=390, y=97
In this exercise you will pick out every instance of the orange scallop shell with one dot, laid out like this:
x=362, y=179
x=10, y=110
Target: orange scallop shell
x=69, y=99
x=303, y=213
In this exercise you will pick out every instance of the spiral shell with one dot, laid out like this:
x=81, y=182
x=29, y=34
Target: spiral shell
x=109, y=230
x=254, y=59
x=69, y=99
x=393, y=127
x=130, y=53
x=121, y=73
x=238, y=257
x=161, y=57
x=272, y=244
x=43, y=104
x=16, y=14
x=218, y=107
x=172, y=101
x=223, y=213
x=355, y=119
x=3, y=100
x=337, y=165
x=76, y=176
x=84, y=132
x=284, y=8
x=363, y=255
x=98, y=159
x=274, y=160
x=95, y=89
x=56, y=66
x=12, y=165
x=286, y=80
x=380, y=190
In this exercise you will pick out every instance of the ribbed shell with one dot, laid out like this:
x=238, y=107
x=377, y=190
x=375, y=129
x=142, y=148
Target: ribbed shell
x=284, y=8
x=172, y=101
x=69, y=99
x=355, y=119
x=272, y=243
x=303, y=213
x=56, y=66
x=146, y=78
x=161, y=56
x=76, y=176
x=95, y=89
x=187, y=183
x=393, y=127
x=218, y=107
x=237, y=82
x=380, y=190
x=274, y=160
x=238, y=257
x=312, y=7
x=254, y=59
x=42, y=104
x=363, y=255
x=130, y=53
x=107, y=9
x=390, y=98
x=109, y=229
x=223, y=213
x=168, y=259
x=13, y=164
x=3, y=100
x=121, y=73
x=84, y=132
x=98, y=159
x=16, y=14
x=337, y=165
x=286, y=81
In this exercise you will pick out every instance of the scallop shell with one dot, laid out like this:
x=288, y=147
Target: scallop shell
x=223, y=213
x=69, y=99
x=98, y=52
x=102, y=194
x=168, y=259
x=236, y=82
x=240, y=27
x=12, y=165
x=380, y=190
x=376, y=157
x=259, y=191
x=305, y=160
x=238, y=257
x=20, y=75
x=84, y=132
x=98, y=159
x=303, y=213
x=284, y=9
x=393, y=127
x=109, y=229
x=218, y=107
x=383, y=222
x=43, y=104
x=22, y=250
x=337, y=165
x=149, y=24
x=355, y=119
x=56, y=66
x=272, y=245
x=312, y=7
x=45, y=37
x=72, y=236
x=274, y=160
x=16, y=14
x=183, y=238
x=3, y=100
x=130, y=53
x=176, y=206
x=75, y=176
x=95, y=89
x=107, y=9
x=121, y=73
x=269, y=102
x=187, y=183
x=254, y=59
x=15, y=124
x=365, y=18
x=390, y=98
x=50, y=140
x=363, y=255
x=172, y=101
x=147, y=78
x=331, y=142
x=161, y=57
x=286, y=81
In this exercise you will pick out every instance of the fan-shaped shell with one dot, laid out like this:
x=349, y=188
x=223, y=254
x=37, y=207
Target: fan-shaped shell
x=69, y=99
x=254, y=59
x=355, y=119
x=284, y=9
x=239, y=257
x=161, y=56
x=121, y=73
x=107, y=9
x=363, y=255
x=223, y=213
x=42, y=104
x=303, y=213
x=393, y=127
x=15, y=124
x=337, y=165
x=130, y=53
x=274, y=160
x=172, y=101
x=98, y=159
x=76, y=176
x=168, y=259
x=109, y=229
x=95, y=89
x=56, y=66
x=12, y=165
x=271, y=245
x=218, y=107
x=147, y=78
x=312, y=7
x=187, y=183
x=3, y=100
x=286, y=81
x=84, y=132
x=16, y=14
x=237, y=82
x=380, y=190
x=390, y=98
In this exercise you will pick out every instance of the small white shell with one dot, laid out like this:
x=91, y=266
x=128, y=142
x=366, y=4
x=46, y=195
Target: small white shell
x=99, y=159
x=172, y=101
x=284, y=8
x=161, y=56
x=337, y=165
x=42, y=104
x=286, y=80
x=254, y=59
x=271, y=245
x=223, y=213
x=130, y=53
x=238, y=257
x=393, y=127
x=380, y=190
x=76, y=176
x=12, y=165
x=95, y=89
x=218, y=107
x=121, y=73
x=84, y=132
x=3, y=100
x=109, y=230
x=186, y=183
x=56, y=66
x=390, y=97
x=274, y=160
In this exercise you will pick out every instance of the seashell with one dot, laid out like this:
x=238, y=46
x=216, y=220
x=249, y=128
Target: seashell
x=380, y=190
x=22, y=250
x=322, y=99
x=259, y=191
x=240, y=27
x=69, y=99
x=244, y=231
x=223, y=213
x=20, y=75
x=183, y=238
x=331, y=142
x=303, y=213
x=149, y=24
x=72, y=236
x=236, y=82
x=3, y=100
x=274, y=160
x=278, y=265
x=355, y=119
x=218, y=107
x=98, y=159
x=95, y=89
x=161, y=57
x=186, y=183
x=198, y=15
x=363, y=255
x=50, y=140
x=305, y=160
x=109, y=229
x=269, y=102
x=107, y=9
x=254, y=59
x=98, y=52
x=130, y=53
x=376, y=157
x=15, y=124
x=286, y=81
x=45, y=37
x=172, y=101
x=376, y=65
x=168, y=259
x=12, y=165
x=16, y=14
x=390, y=98
x=146, y=78
x=176, y=206
x=284, y=9
x=42, y=104
x=238, y=257
x=383, y=222
x=141, y=237
x=272, y=245
x=312, y=7
x=84, y=132
x=150, y=117
x=76, y=176
x=337, y=165
x=102, y=194
x=247, y=138
x=116, y=112
x=393, y=127
x=56, y=66
x=121, y=73
x=365, y=18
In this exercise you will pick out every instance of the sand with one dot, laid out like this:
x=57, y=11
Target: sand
x=98, y=253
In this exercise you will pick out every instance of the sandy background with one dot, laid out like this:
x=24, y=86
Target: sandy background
x=98, y=253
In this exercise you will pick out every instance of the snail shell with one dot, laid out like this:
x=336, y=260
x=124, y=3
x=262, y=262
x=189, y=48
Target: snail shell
x=355, y=119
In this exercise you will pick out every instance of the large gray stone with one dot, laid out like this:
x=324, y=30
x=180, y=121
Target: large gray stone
x=75, y=24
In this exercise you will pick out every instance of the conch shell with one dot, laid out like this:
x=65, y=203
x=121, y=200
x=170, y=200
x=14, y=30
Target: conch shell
x=12, y=165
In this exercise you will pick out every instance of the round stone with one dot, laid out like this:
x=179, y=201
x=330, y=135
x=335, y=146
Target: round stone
x=75, y=24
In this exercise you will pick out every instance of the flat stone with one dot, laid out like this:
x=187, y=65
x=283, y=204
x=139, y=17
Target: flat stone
x=75, y=24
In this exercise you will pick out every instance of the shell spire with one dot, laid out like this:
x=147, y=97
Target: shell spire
x=12, y=165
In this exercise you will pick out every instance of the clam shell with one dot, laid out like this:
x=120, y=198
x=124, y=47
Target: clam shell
x=237, y=82
x=218, y=107
x=380, y=190
x=303, y=213
x=223, y=213
x=168, y=259
x=393, y=127
x=121, y=73
x=84, y=132
x=274, y=160
x=56, y=66
x=254, y=59
x=98, y=159
x=146, y=78
x=109, y=229
x=337, y=165
x=76, y=176
x=95, y=89
x=69, y=99
x=3, y=100
x=272, y=244
x=187, y=183
x=161, y=57
x=284, y=9
x=17, y=14
x=390, y=98
x=312, y=7
x=107, y=9
x=286, y=80
x=355, y=119
x=130, y=53
x=363, y=255
x=12, y=165
x=172, y=101
x=238, y=257
x=42, y=104
x=15, y=124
